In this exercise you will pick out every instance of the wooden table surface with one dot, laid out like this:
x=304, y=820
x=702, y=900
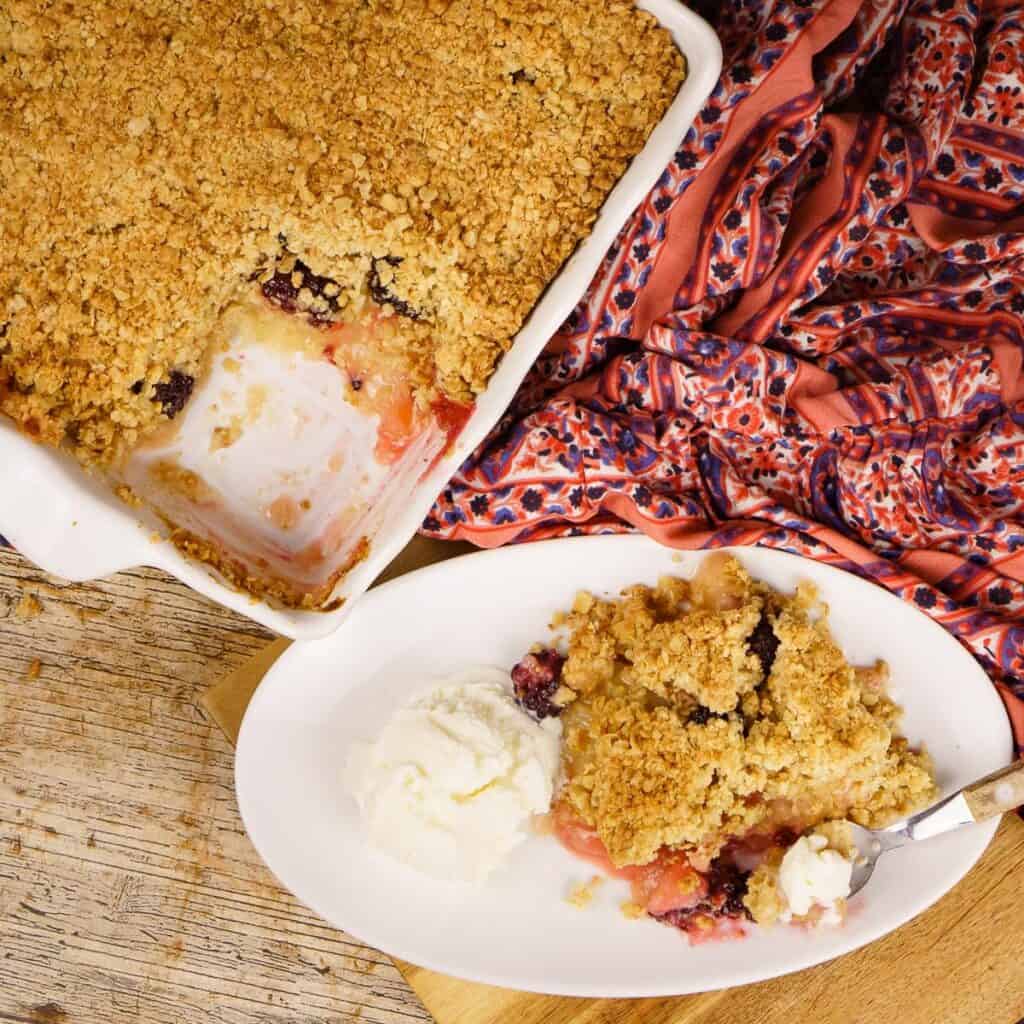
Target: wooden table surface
x=128, y=889
x=129, y=892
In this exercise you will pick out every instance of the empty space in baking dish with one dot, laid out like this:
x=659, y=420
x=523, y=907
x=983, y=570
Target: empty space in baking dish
x=290, y=456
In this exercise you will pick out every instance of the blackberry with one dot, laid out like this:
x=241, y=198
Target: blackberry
x=785, y=836
x=535, y=680
x=173, y=393
x=764, y=643
x=382, y=295
x=702, y=715
x=727, y=885
x=281, y=291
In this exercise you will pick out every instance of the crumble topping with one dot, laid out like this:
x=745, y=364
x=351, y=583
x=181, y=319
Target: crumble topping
x=162, y=161
x=680, y=737
x=260, y=583
x=764, y=899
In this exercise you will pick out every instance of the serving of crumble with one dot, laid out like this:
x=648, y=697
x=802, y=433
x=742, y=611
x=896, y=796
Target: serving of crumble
x=708, y=725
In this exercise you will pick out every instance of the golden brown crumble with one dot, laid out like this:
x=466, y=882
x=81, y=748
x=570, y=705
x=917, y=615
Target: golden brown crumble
x=582, y=894
x=260, y=582
x=838, y=837
x=684, y=741
x=128, y=496
x=763, y=897
x=160, y=161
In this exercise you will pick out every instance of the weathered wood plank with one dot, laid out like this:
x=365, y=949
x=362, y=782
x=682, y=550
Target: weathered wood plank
x=128, y=890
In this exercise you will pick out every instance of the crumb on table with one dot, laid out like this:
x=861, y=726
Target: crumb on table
x=28, y=608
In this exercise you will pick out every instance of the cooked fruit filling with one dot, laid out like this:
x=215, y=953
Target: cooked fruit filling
x=536, y=680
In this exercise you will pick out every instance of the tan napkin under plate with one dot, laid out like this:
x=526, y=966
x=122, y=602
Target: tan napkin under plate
x=227, y=700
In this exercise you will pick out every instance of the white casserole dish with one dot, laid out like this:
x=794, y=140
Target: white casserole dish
x=73, y=526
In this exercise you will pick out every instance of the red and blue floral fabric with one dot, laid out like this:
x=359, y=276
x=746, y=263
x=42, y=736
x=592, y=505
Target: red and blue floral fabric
x=810, y=334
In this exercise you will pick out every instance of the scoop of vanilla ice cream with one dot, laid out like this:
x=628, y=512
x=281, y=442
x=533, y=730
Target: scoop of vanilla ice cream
x=811, y=875
x=455, y=775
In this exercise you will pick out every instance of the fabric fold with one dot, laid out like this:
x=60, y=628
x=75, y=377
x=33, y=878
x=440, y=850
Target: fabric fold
x=809, y=336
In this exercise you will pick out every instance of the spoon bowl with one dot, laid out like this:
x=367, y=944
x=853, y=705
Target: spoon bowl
x=992, y=795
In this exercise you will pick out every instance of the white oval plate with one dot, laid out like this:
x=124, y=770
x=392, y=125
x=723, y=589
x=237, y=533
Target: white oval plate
x=517, y=930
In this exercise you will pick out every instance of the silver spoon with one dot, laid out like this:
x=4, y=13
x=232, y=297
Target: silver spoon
x=997, y=793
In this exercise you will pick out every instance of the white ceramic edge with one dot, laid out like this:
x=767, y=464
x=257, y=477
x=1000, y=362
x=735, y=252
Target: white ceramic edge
x=925, y=899
x=82, y=533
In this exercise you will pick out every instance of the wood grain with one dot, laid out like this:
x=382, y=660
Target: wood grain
x=997, y=793
x=128, y=889
x=129, y=892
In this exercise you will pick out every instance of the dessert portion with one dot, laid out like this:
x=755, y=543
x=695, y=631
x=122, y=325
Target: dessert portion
x=715, y=740
x=402, y=178
x=453, y=779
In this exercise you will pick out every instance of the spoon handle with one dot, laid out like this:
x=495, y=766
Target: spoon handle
x=997, y=793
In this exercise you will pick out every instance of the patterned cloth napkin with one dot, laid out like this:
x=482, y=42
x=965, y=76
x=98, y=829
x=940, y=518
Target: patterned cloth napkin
x=810, y=335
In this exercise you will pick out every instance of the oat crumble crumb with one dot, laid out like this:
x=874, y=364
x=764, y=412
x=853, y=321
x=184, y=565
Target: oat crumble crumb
x=582, y=894
x=128, y=496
